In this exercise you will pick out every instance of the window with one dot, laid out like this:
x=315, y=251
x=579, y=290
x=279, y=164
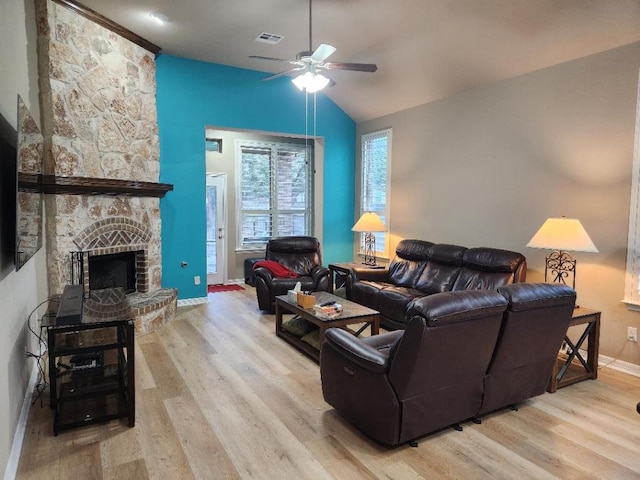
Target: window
x=374, y=183
x=274, y=191
x=632, y=283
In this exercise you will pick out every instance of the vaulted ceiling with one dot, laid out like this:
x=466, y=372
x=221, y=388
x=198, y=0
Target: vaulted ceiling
x=425, y=49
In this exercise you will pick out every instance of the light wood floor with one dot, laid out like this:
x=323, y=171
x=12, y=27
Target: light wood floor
x=219, y=396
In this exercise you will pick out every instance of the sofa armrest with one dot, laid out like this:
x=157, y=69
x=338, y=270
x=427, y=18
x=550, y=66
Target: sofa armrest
x=372, y=274
x=355, y=350
x=318, y=272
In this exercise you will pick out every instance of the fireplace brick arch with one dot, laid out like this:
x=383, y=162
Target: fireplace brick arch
x=116, y=235
x=113, y=233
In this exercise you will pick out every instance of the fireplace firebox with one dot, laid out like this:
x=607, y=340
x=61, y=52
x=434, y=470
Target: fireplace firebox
x=113, y=270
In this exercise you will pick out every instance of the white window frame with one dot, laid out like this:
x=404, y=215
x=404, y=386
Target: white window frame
x=632, y=281
x=382, y=251
x=239, y=144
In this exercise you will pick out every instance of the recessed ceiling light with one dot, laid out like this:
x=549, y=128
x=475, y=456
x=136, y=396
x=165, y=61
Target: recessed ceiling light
x=159, y=17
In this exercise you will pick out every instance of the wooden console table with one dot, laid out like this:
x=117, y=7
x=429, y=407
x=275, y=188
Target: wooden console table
x=573, y=367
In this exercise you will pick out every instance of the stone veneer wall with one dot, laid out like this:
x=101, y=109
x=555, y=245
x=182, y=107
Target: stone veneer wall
x=99, y=120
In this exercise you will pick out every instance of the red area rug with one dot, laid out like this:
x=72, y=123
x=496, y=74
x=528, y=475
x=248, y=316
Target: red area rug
x=224, y=288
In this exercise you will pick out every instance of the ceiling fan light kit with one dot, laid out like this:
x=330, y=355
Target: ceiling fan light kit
x=309, y=62
x=311, y=82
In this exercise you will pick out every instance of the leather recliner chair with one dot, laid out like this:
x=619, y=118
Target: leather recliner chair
x=462, y=354
x=400, y=385
x=297, y=253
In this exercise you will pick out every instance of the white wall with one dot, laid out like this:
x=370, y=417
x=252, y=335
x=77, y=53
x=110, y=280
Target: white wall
x=22, y=291
x=488, y=166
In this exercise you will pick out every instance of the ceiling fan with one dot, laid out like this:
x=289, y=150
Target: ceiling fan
x=311, y=62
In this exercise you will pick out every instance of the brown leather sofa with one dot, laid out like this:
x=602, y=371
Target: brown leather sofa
x=462, y=354
x=300, y=254
x=422, y=268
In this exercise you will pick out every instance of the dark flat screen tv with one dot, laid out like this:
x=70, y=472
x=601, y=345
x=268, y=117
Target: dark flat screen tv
x=8, y=196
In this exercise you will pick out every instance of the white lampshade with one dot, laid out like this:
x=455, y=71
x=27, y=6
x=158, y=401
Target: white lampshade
x=369, y=222
x=564, y=234
x=312, y=82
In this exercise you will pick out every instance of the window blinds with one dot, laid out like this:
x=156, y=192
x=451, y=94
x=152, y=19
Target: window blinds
x=376, y=152
x=275, y=192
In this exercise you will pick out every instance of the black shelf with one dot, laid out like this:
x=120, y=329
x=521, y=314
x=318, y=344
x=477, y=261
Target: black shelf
x=91, y=367
x=89, y=410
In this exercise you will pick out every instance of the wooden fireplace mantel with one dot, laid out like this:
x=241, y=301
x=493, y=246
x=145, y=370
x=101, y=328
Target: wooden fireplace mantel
x=55, y=184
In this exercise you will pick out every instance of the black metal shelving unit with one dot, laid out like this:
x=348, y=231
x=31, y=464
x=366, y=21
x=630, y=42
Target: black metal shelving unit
x=91, y=371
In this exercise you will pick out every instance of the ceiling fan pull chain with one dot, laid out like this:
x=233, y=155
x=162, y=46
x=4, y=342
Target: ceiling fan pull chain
x=306, y=118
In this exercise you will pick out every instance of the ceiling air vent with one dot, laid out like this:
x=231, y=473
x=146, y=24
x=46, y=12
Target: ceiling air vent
x=270, y=38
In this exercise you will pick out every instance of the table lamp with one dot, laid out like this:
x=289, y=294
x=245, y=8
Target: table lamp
x=368, y=223
x=562, y=235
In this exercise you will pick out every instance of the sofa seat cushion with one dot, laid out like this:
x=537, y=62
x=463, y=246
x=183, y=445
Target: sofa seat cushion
x=393, y=301
x=366, y=292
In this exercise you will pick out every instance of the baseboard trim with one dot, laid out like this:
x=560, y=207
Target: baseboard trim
x=16, y=448
x=188, y=302
x=619, y=365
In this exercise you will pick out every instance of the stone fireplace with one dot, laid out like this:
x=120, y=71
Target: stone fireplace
x=101, y=148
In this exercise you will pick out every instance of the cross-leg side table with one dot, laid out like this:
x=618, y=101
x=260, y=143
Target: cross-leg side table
x=568, y=371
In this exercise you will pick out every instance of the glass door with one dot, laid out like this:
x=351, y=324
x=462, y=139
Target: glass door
x=216, y=228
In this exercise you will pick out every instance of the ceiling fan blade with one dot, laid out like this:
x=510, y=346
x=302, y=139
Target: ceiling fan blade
x=358, y=67
x=260, y=57
x=322, y=52
x=286, y=72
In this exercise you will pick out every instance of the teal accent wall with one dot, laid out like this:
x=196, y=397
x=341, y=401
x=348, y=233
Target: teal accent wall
x=192, y=95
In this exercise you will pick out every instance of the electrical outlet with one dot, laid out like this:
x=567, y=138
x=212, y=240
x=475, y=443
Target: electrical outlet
x=196, y=280
x=632, y=334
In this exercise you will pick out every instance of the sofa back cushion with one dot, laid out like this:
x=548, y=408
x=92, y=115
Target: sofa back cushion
x=411, y=257
x=298, y=253
x=442, y=269
x=489, y=268
x=449, y=338
x=437, y=367
x=532, y=331
x=534, y=325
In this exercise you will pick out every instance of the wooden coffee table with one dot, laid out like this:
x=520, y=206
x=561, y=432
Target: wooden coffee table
x=352, y=313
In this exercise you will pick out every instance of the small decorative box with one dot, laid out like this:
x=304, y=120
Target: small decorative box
x=306, y=301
